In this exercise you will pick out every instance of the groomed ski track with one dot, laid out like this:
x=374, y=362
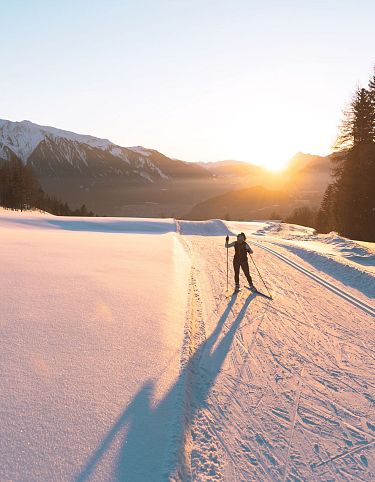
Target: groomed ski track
x=282, y=389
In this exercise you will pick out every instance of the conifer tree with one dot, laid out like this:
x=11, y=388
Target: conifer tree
x=348, y=204
x=371, y=92
x=326, y=217
x=357, y=127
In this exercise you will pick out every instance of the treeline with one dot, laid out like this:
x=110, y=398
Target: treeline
x=348, y=204
x=304, y=216
x=19, y=189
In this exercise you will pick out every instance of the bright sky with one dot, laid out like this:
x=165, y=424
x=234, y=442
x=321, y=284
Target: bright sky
x=200, y=80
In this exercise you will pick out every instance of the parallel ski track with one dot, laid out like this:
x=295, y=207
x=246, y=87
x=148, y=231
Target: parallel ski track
x=335, y=289
x=294, y=420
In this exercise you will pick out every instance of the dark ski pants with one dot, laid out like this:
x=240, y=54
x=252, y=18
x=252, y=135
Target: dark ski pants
x=242, y=263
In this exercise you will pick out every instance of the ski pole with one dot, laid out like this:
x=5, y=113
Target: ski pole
x=261, y=276
x=227, y=269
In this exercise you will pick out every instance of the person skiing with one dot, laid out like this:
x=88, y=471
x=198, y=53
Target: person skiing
x=241, y=249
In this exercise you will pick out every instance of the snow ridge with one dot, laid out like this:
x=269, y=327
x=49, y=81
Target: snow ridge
x=25, y=136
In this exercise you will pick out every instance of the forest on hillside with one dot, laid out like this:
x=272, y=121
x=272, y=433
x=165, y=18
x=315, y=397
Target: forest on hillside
x=19, y=189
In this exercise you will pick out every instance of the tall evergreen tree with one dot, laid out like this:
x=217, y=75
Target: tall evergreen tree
x=326, y=219
x=371, y=92
x=348, y=205
x=357, y=127
x=354, y=199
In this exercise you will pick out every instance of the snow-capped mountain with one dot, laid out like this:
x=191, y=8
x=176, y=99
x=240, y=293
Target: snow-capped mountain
x=58, y=153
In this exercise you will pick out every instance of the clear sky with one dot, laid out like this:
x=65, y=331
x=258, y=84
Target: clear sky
x=199, y=80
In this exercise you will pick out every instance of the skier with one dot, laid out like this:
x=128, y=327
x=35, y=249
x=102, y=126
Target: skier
x=241, y=249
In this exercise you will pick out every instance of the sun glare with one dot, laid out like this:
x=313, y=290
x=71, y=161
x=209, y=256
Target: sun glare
x=273, y=155
x=272, y=161
x=275, y=166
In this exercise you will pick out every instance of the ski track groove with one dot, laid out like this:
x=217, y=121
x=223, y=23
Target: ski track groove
x=294, y=419
x=238, y=366
x=345, y=454
x=335, y=289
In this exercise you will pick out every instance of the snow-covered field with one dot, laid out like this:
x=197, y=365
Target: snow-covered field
x=121, y=358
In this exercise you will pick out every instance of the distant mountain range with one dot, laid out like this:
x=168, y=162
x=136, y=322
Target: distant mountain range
x=136, y=181
x=300, y=162
x=255, y=202
x=57, y=153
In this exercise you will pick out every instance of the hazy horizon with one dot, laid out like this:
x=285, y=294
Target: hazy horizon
x=199, y=81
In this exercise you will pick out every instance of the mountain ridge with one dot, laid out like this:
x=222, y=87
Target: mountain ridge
x=54, y=152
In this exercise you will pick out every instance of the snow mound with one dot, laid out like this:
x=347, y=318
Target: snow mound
x=330, y=244
x=258, y=228
x=272, y=228
x=350, y=249
x=213, y=227
x=291, y=231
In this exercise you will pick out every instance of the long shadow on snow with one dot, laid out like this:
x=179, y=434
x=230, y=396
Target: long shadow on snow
x=142, y=426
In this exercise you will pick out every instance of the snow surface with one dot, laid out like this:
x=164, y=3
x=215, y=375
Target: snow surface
x=121, y=358
x=91, y=330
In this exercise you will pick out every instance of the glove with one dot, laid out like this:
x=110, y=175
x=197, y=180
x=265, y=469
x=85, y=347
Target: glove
x=227, y=239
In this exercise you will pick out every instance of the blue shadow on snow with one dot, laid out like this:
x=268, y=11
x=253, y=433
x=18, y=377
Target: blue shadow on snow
x=141, y=426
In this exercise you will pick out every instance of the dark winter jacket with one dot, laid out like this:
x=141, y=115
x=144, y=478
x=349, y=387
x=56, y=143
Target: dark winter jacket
x=241, y=249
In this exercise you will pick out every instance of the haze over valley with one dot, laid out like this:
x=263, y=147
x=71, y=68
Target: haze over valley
x=114, y=180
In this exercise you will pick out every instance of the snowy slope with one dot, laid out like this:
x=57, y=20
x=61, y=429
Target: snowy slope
x=90, y=344
x=122, y=358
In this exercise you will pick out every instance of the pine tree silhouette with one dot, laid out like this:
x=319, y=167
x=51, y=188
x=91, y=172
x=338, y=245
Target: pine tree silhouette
x=348, y=204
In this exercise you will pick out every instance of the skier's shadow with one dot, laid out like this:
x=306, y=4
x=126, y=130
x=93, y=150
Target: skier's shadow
x=141, y=427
